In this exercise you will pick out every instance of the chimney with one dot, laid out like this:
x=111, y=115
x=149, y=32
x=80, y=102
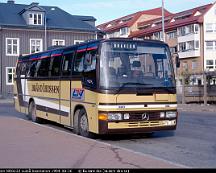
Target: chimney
x=10, y=2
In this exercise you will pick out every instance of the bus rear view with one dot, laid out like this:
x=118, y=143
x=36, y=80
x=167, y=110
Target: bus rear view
x=138, y=85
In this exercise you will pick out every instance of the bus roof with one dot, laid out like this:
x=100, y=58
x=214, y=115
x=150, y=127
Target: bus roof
x=61, y=49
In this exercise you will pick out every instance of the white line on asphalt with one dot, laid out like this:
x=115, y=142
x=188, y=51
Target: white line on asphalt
x=106, y=144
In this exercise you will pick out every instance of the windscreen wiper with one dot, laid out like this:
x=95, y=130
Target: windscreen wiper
x=129, y=83
x=169, y=89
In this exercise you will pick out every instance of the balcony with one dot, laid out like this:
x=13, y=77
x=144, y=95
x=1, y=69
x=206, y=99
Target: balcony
x=189, y=53
x=189, y=37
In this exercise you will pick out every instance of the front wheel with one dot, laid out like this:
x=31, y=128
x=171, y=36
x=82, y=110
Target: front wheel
x=81, y=125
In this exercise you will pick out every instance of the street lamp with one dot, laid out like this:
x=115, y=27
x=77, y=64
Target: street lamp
x=45, y=30
x=163, y=28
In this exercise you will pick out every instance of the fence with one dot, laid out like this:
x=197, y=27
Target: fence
x=197, y=88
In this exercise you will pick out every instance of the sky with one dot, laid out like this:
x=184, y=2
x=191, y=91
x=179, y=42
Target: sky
x=106, y=10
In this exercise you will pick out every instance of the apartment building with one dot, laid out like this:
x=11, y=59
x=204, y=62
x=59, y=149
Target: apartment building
x=26, y=29
x=191, y=33
x=123, y=26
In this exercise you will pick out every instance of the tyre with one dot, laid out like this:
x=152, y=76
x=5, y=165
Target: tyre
x=81, y=125
x=75, y=122
x=32, y=113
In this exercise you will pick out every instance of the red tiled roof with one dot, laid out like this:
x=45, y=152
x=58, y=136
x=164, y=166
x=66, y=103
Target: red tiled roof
x=129, y=19
x=190, y=19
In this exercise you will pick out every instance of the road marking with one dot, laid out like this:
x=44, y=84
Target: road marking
x=107, y=144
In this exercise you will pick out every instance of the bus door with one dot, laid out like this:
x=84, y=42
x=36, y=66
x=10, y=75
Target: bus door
x=77, y=90
x=54, y=91
x=84, y=85
x=65, y=85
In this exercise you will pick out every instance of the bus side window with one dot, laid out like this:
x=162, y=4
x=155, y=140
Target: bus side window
x=32, y=69
x=55, y=65
x=90, y=61
x=42, y=68
x=66, y=64
x=78, y=63
x=23, y=69
x=28, y=65
x=18, y=69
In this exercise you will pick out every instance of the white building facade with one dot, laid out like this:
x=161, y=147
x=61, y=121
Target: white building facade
x=210, y=39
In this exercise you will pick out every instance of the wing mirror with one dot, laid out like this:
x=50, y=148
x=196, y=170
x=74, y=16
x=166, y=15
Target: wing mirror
x=177, y=60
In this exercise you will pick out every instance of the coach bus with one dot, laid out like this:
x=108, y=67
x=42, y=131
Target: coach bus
x=100, y=87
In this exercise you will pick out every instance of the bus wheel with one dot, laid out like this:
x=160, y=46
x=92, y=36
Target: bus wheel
x=75, y=122
x=83, y=125
x=32, y=112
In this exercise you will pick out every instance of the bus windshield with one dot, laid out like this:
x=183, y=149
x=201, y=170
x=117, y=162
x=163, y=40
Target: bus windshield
x=135, y=64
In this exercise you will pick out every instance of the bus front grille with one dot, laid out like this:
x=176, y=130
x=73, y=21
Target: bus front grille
x=141, y=124
x=151, y=115
x=144, y=124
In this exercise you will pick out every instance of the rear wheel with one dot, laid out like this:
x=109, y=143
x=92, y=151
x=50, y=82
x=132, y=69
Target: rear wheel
x=32, y=113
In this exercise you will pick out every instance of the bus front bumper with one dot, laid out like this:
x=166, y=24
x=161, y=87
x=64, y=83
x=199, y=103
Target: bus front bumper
x=106, y=127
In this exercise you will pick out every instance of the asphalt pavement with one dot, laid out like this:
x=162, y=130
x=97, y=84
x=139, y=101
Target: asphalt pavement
x=25, y=144
x=28, y=145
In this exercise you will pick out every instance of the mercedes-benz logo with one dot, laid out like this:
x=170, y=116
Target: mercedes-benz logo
x=145, y=116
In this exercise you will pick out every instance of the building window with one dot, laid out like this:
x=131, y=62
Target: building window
x=190, y=45
x=209, y=27
x=209, y=64
x=35, y=19
x=182, y=47
x=157, y=36
x=194, y=64
x=209, y=45
x=78, y=41
x=36, y=45
x=196, y=44
x=173, y=49
x=196, y=28
x=56, y=42
x=185, y=66
x=10, y=75
x=190, y=29
x=171, y=35
x=182, y=31
x=12, y=46
x=124, y=31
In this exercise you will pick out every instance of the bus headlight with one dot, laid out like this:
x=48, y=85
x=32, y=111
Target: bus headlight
x=126, y=116
x=170, y=114
x=114, y=116
x=162, y=114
